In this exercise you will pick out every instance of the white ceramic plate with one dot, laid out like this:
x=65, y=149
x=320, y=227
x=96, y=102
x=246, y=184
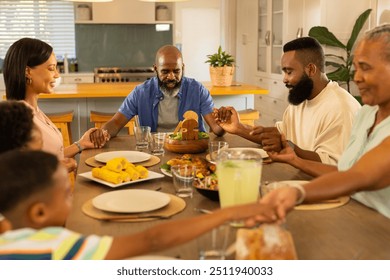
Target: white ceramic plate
x=166, y=172
x=131, y=156
x=131, y=201
x=151, y=175
x=258, y=150
x=266, y=188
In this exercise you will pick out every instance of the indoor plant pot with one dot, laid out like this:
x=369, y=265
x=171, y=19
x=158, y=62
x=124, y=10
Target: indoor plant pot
x=221, y=68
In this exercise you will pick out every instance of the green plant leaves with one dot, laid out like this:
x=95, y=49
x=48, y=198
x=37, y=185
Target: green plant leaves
x=357, y=28
x=220, y=59
x=324, y=36
x=343, y=72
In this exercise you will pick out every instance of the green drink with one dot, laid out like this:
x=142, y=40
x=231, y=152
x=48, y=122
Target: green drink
x=239, y=176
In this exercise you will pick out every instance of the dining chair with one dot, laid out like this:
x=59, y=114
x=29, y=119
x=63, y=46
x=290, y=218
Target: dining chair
x=248, y=116
x=99, y=118
x=62, y=121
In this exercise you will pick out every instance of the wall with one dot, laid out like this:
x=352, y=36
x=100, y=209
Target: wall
x=122, y=45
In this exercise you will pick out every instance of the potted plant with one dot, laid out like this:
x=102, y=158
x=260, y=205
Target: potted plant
x=342, y=63
x=221, y=68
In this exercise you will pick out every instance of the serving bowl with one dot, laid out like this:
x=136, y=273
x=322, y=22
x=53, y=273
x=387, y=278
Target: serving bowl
x=208, y=187
x=186, y=146
x=209, y=193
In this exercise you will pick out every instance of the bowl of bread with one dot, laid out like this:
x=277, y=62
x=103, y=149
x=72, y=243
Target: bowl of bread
x=187, y=139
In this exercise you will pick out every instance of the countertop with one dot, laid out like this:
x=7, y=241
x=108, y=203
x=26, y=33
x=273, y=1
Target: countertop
x=101, y=90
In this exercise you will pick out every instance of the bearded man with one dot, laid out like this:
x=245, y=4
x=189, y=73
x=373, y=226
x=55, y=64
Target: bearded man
x=160, y=102
x=318, y=121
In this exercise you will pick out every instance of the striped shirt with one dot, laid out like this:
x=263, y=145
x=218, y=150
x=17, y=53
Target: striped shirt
x=52, y=243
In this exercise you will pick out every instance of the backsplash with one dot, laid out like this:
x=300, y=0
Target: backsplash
x=122, y=45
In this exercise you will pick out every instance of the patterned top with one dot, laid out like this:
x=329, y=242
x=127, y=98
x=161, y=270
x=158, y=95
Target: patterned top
x=52, y=243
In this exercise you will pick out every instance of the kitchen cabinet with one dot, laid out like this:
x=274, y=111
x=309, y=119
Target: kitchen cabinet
x=272, y=106
x=127, y=12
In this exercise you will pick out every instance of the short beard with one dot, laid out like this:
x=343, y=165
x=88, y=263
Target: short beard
x=165, y=89
x=301, y=91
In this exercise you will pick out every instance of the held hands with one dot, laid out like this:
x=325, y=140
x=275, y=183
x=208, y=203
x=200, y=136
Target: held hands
x=281, y=200
x=269, y=138
x=227, y=118
x=286, y=154
x=94, y=138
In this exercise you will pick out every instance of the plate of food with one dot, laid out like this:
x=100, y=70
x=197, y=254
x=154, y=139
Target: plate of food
x=131, y=156
x=206, y=182
x=151, y=175
x=131, y=201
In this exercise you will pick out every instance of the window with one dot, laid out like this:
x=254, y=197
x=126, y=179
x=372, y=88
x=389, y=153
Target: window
x=51, y=21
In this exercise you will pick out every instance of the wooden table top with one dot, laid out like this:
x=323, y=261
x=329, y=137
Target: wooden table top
x=352, y=231
x=102, y=90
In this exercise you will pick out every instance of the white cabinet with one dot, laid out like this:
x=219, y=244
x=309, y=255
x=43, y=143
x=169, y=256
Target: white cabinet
x=127, y=12
x=77, y=78
x=273, y=105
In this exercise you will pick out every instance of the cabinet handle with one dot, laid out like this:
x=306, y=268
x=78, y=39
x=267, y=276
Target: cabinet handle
x=267, y=36
x=275, y=101
x=275, y=82
x=77, y=79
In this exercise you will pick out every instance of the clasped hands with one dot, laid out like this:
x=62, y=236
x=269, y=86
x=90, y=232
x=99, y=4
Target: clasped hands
x=268, y=137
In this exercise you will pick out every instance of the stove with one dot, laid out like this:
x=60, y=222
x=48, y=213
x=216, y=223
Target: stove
x=122, y=75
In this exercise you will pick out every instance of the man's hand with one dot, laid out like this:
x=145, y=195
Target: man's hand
x=227, y=118
x=269, y=137
x=70, y=164
x=286, y=154
x=94, y=138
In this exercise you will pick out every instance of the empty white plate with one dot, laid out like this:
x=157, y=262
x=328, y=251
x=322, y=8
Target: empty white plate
x=131, y=156
x=257, y=150
x=131, y=201
x=151, y=175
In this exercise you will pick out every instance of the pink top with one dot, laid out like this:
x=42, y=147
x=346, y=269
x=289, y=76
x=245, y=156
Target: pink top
x=52, y=137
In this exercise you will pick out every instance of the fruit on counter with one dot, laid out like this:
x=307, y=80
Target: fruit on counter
x=119, y=170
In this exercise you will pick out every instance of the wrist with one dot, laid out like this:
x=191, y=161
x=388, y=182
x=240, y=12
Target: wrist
x=77, y=143
x=301, y=193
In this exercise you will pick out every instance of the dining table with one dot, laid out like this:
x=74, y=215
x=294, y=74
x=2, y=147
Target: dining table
x=351, y=231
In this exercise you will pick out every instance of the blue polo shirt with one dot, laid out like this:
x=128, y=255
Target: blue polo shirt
x=143, y=101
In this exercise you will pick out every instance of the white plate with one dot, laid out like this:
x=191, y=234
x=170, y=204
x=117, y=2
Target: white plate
x=131, y=201
x=151, y=175
x=131, y=156
x=166, y=172
x=258, y=150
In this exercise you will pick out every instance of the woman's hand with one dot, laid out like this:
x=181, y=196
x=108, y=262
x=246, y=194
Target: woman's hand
x=70, y=164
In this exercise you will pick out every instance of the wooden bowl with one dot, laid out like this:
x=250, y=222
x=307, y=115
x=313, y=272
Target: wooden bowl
x=186, y=146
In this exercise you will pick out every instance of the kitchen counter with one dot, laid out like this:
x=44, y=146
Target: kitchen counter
x=102, y=90
x=107, y=97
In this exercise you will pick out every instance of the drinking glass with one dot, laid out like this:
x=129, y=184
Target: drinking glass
x=183, y=179
x=239, y=177
x=215, y=147
x=142, y=137
x=157, y=144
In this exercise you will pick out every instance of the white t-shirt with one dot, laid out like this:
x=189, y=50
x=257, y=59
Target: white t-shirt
x=322, y=124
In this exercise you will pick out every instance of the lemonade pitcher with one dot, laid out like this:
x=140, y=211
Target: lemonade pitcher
x=239, y=176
